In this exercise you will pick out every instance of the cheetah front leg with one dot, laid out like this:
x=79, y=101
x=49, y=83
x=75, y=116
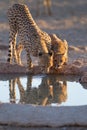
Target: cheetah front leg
x=29, y=60
x=19, y=50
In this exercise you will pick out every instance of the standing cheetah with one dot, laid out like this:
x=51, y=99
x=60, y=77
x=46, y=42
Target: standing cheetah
x=35, y=41
x=59, y=48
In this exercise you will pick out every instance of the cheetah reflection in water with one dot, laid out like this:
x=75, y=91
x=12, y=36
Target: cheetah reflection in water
x=51, y=90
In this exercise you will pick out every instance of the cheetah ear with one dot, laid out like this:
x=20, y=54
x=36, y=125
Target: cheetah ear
x=57, y=38
x=54, y=37
x=66, y=44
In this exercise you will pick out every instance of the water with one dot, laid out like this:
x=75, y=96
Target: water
x=43, y=90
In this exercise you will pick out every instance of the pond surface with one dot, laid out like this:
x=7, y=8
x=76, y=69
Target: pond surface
x=43, y=90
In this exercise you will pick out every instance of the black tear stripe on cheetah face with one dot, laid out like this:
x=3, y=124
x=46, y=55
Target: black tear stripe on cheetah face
x=35, y=41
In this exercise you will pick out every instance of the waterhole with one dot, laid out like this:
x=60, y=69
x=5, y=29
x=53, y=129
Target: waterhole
x=52, y=90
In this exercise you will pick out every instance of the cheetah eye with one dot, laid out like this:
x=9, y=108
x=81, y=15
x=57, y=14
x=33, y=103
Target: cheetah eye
x=40, y=54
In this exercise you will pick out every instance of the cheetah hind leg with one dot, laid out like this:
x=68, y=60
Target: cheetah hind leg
x=10, y=53
x=12, y=56
x=12, y=49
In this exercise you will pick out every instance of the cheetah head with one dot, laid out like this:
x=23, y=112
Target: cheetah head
x=60, y=49
x=59, y=60
x=45, y=61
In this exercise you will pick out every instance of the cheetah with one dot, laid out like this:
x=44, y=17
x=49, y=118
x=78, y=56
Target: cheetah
x=46, y=6
x=60, y=49
x=34, y=40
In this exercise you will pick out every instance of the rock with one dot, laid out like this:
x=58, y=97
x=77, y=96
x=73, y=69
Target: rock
x=6, y=68
x=83, y=78
x=76, y=49
x=76, y=68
